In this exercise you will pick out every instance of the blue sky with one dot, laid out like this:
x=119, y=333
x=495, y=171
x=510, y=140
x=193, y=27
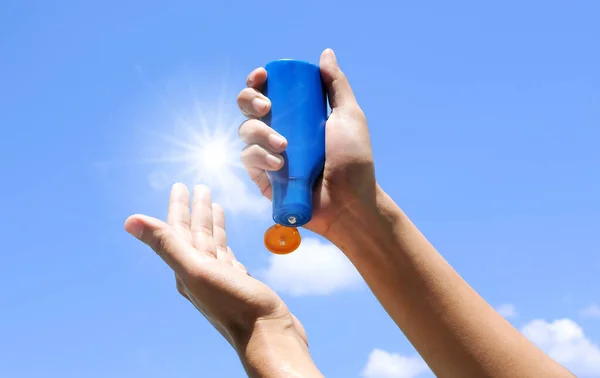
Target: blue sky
x=485, y=121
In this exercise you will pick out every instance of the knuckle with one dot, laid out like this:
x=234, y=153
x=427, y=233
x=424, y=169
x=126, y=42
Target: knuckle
x=242, y=103
x=255, y=131
x=182, y=223
x=245, y=129
x=202, y=229
x=251, y=130
x=255, y=176
x=246, y=95
x=242, y=128
x=251, y=77
x=263, y=184
x=221, y=251
x=251, y=152
x=264, y=189
x=245, y=156
x=239, y=97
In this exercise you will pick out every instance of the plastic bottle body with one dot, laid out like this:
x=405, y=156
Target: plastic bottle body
x=298, y=112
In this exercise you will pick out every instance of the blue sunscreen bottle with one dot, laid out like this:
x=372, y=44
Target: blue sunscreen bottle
x=298, y=113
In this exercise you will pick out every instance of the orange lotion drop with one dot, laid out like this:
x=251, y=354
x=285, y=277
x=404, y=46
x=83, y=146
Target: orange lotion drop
x=282, y=240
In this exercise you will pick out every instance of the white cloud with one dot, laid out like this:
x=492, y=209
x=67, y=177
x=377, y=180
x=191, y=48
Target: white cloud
x=592, y=311
x=507, y=310
x=564, y=341
x=316, y=268
x=234, y=195
x=382, y=364
x=158, y=180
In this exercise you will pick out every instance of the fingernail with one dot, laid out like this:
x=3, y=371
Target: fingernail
x=259, y=104
x=276, y=141
x=273, y=161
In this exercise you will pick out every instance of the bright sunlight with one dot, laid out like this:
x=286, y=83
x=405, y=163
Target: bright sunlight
x=192, y=137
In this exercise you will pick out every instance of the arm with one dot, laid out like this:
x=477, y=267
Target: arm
x=451, y=326
x=274, y=350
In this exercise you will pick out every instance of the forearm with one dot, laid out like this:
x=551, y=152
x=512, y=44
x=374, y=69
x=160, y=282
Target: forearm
x=276, y=353
x=452, y=327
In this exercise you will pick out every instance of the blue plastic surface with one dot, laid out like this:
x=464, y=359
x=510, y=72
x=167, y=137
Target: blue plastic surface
x=298, y=112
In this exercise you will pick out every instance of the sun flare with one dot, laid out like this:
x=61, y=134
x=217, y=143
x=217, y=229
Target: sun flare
x=214, y=156
x=205, y=156
x=193, y=139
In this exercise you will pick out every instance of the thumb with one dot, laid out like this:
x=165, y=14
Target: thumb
x=337, y=85
x=161, y=237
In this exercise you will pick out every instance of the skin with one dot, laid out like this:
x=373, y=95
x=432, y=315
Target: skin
x=456, y=332
x=251, y=317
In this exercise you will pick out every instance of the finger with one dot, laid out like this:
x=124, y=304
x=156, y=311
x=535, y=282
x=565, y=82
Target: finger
x=179, y=211
x=254, y=131
x=236, y=264
x=219, y=234
x=256, y=160
x=164, y=240
x=239, y=266
x=202, y=221
x=253, y=104
x=231, y=254
x=257, y=79
x=260, y=178
x=338, y=88
x=255, y=156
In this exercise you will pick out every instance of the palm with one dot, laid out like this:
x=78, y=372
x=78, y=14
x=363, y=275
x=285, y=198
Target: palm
x=221, y=292
x=194, y=244
x=348, y=171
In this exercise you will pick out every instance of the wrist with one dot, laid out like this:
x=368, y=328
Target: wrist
x=368, y=223
x=274, y=349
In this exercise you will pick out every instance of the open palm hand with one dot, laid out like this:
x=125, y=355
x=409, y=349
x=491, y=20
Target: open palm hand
x=194, y=244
